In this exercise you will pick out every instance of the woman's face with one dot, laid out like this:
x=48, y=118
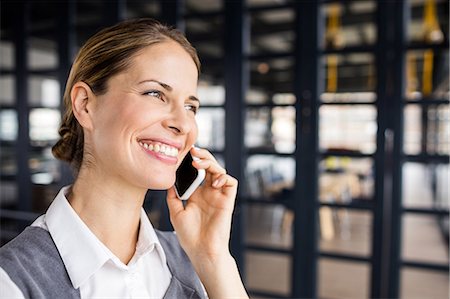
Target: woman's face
x=145, y=124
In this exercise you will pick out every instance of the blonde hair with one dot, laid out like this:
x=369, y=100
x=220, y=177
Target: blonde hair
x=107, y=53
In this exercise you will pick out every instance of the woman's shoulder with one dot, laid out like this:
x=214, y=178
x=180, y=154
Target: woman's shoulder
x=20, y=256
x=31, y=247
x=32, y=262
x=25, y=240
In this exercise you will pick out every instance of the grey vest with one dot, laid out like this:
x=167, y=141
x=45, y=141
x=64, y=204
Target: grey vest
x=33, y=263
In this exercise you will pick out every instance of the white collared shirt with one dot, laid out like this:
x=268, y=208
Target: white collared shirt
x=92, y=267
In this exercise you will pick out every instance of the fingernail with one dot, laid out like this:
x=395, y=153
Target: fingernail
x=199, y=161
x=216, y=183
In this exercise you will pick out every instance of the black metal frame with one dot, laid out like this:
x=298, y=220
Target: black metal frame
x=308, y=87
x=236, y=82
x=386, y=224
x=66, y=45
x=21, y=12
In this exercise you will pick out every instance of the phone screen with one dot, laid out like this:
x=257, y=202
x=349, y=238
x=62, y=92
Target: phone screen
x=186, y=174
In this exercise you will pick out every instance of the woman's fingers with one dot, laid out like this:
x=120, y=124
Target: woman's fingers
x=210, y=166
x=175, y=205
x=207, y=161
x=217, y=176
x=224, y=180
x=202, y=154
x=227, y=186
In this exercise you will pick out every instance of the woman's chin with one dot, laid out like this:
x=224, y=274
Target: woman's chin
x=161, y=185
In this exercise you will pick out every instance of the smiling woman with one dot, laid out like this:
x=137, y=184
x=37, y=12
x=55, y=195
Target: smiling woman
x=131, y=101
x=147, y=102
x=104, y=55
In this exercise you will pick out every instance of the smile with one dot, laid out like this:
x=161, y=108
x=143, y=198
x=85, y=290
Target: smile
x=160, y=148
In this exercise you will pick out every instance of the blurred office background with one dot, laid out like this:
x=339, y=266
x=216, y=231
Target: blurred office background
x=334, y=116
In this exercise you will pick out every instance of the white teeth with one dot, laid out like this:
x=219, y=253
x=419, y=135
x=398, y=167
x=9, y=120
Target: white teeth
x=160, y=148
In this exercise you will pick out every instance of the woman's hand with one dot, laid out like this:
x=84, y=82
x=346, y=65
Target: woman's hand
x=203, y=224
x=203, y=228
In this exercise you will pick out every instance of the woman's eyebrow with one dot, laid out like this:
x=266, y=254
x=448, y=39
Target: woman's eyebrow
x=168, y=87
x=194, y=99
x=164, y=85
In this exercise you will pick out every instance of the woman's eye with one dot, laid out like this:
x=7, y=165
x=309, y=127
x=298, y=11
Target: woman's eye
x=154, y=93
x=192, y=108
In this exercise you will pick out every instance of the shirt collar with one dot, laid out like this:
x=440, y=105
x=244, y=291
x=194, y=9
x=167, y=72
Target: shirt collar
x=81, y=251
x=148, y=239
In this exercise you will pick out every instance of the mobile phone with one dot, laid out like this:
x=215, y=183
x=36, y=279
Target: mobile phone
x=188, y=178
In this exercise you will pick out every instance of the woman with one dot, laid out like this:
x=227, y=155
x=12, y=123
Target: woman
x=130, y=119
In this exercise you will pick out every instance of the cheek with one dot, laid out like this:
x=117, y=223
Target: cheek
x=194, y=132
x=129, y=118
x=113, y=130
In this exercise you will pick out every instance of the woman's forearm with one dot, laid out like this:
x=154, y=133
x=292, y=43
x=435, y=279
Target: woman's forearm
x=220, y=277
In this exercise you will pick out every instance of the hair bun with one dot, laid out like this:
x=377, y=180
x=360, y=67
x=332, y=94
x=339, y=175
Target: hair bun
x=65, y=146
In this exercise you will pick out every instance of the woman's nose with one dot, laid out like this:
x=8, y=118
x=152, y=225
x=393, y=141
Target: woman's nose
x=178, y=120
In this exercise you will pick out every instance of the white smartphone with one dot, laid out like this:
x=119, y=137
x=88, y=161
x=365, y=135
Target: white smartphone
x=188, y=178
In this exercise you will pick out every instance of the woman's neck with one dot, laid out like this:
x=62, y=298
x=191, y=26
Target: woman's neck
x=111, y=209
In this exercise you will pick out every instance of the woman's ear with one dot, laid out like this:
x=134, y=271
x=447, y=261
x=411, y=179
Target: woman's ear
x=82, y=99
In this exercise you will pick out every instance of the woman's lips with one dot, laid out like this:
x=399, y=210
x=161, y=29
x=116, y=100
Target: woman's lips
x=161, y=152
x=159, y=147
